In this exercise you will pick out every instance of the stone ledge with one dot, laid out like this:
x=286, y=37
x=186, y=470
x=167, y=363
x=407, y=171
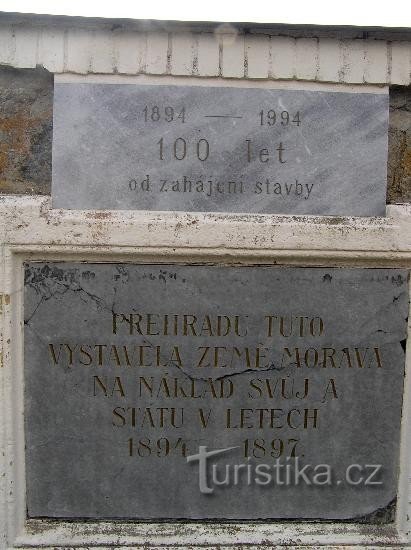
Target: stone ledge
x=28, y=222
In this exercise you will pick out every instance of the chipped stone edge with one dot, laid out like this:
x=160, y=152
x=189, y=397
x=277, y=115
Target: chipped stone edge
x=30, y=230
x=207, y=82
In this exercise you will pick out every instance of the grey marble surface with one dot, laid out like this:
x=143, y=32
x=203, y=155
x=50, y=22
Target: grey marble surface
x=78, y=427
x=195, y=148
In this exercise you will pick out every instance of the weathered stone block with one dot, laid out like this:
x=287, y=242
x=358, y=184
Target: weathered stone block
x=26, y=115
x=399, y=146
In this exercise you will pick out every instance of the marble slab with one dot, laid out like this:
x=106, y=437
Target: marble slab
x=129, y=369
x=219, y=149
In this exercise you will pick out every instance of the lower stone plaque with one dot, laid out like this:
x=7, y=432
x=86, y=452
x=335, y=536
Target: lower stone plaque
x=199, y=392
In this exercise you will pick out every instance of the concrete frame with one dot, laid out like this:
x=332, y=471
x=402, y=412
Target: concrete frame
x=31, y=230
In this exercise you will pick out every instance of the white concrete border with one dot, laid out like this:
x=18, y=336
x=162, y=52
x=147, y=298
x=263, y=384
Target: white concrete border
x=30, y=230
x=201, y=54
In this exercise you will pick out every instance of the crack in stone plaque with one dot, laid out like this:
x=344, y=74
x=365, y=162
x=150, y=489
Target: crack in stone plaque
x=130, y=369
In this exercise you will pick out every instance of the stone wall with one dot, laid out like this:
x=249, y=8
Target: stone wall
x=399, y=146
x=26, y=120
x=26, y=123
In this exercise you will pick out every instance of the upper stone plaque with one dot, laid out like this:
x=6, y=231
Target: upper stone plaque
x=197, y=148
